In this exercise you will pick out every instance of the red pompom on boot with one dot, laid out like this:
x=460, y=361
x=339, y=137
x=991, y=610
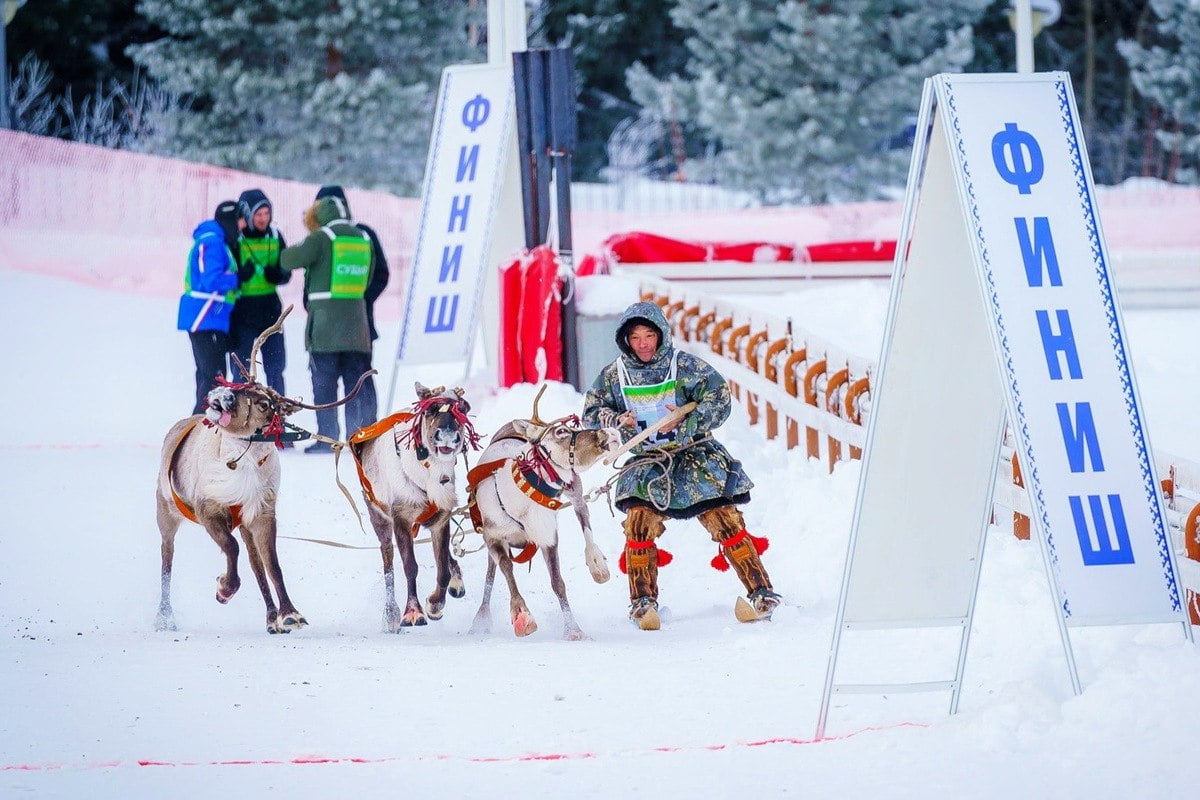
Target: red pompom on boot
x=721, y=564
x=663, y=559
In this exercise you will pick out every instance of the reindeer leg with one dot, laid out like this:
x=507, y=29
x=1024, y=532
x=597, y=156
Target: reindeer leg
x=571, y=630
x=593, y=556
x=289, y=618
x=260, y=575
x=383, y=531
x=219, y=524
x=456, y=587
x=440, y=530
x=168, y=524
x=483, y=617
x=522, y=621
x=413, y=615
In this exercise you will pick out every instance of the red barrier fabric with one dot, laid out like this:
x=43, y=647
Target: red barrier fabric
x=531, y=319
x=852, y=251
x=638, y=247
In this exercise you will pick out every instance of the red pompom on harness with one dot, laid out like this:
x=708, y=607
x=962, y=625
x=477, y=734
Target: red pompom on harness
x=721, y=564
x=664, y=557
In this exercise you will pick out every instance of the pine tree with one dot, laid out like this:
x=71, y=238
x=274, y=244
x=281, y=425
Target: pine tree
x=338, y=91
x=1165, y=73
x=800, y=101
x=606, y=37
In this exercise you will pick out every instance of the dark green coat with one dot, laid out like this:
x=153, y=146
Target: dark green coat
x=703, y=475
x=334, y=325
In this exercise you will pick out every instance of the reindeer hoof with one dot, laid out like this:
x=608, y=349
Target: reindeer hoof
x=456, y=588
x=165, y=623
x=225, y=590
x=574, y=635
x=412, y=618
x=434, y=612
x=482, y=624
x=291, y=622
x=524, y=624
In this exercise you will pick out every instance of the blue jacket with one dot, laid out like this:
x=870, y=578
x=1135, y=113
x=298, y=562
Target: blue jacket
x=210, y=285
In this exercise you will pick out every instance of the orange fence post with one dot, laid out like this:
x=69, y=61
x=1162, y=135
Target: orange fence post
x=1020, y=521
x=771, y=372
x=792, y=386
x=815, y=370
x=835, y=383
x=852, y=408
x=704, y=325
x=684, y=331
x=717, y=342
x=1191, y=543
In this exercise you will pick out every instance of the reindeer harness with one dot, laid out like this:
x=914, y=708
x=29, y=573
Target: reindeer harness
x=235, y=511
x=534, y=476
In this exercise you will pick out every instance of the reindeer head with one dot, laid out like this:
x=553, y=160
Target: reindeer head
x=243, y=409
x=440, y=426
x=564, y=441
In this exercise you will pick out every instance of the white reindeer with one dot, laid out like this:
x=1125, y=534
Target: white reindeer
x=220, y=470
x=406, y=467
x=515, y=496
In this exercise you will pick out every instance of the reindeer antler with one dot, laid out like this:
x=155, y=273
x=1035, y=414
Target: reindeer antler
x=258, y=343
x=362, y=379
x=535, y=419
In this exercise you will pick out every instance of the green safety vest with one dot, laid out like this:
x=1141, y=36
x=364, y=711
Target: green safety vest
x=230, y=297
x=351, y=266
x=263, y=252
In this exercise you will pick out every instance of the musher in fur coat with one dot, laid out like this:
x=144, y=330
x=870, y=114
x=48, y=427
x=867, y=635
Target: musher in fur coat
x=336, y=259
x=680, y=472
x=258, y=305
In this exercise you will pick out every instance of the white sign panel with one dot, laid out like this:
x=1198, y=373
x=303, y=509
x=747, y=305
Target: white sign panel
x=1026, y=188
x=467, y=157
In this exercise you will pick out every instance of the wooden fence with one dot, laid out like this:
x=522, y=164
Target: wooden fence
x=808, y=393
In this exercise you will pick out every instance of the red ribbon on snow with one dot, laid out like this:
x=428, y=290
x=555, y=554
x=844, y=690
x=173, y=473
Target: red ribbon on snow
x=664, y=557
x=721, y=564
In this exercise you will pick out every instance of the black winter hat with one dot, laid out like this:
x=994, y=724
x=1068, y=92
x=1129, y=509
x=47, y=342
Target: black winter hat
x=227, y=216
x=250, y=201
x=333, y=190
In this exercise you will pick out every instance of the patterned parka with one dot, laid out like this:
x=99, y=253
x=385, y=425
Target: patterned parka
x=695, y=473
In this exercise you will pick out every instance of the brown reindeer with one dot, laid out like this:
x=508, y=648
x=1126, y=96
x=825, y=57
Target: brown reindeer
x=406, y=467
x=522, y=479
x=220, y=470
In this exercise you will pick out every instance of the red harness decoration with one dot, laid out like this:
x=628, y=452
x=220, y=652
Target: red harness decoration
x=721, y=564
x=235, y=512
x=489, y=468
x=663, y=559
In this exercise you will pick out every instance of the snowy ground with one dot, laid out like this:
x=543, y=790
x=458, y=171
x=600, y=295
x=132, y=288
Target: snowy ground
x=97, y=704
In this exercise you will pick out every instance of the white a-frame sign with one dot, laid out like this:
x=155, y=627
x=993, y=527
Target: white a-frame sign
x=1002, y=308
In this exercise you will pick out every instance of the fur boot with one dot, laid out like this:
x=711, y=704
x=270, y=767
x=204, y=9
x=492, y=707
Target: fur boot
x=642, y=558
x=728, y=530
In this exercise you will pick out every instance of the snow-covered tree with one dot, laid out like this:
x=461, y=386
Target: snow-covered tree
x=802, y=101
x=339, y=91
x=1166, y=73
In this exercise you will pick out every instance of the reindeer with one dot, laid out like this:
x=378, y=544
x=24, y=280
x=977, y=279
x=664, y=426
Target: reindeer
x=220, y=469
x=514, y=502
x=408, y=482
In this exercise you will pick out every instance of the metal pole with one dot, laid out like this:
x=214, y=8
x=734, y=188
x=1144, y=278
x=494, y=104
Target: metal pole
x=1023, y=28
x=6, y=121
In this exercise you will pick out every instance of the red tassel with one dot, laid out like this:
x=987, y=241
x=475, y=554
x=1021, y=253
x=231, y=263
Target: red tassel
x=663, y=559
x=721, y=564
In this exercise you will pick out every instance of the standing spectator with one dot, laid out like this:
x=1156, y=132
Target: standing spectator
x=258, y=305
x=336, y=259
x=209, y=292
x=379, y=282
